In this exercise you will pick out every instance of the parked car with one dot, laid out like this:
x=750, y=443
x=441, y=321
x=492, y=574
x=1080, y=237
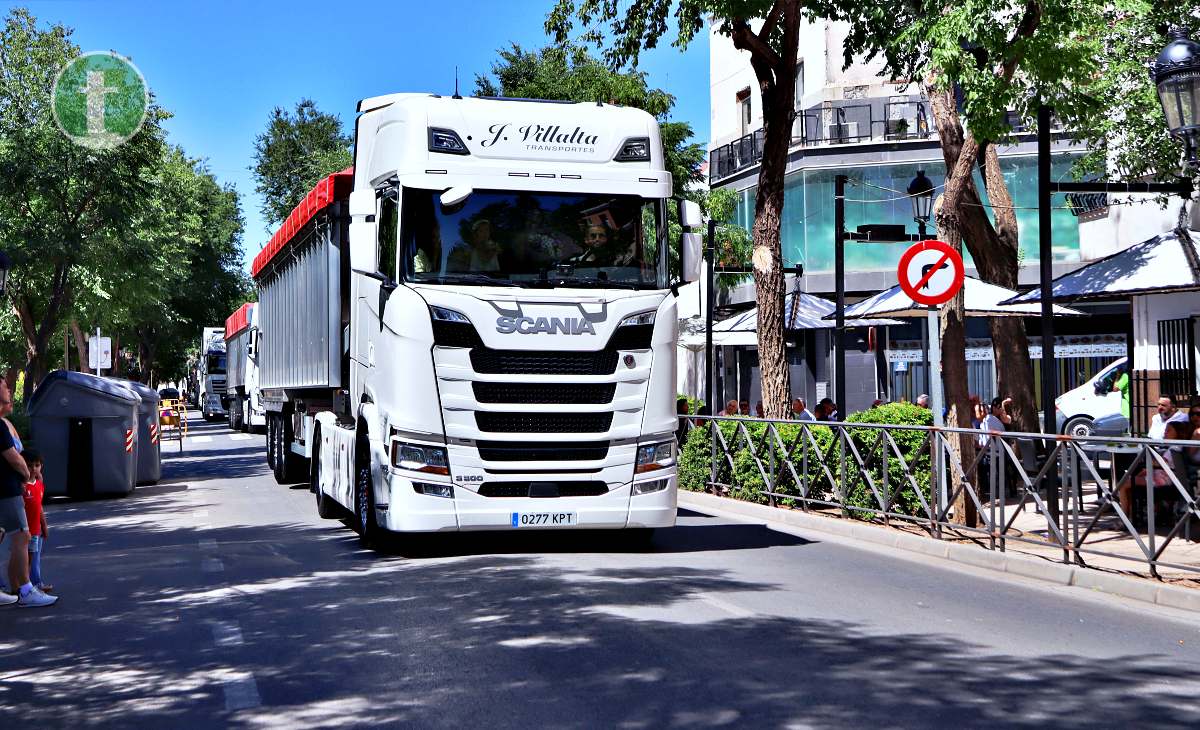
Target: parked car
x=1079, y=409
x=1114, y=424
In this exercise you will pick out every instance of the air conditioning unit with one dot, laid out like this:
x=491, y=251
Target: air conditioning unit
x=843, y=132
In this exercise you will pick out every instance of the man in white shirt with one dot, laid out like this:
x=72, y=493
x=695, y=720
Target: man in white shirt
x=991, y=422
x=800, y=411
x=1167, y=412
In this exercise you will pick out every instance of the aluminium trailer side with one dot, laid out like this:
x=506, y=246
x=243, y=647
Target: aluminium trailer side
x=237, y=363
x=304, y=314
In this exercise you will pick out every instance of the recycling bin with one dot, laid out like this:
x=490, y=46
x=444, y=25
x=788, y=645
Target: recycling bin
x=86, y=428
x=149, y=452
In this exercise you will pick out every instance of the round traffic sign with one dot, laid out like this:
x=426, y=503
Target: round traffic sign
x=930, y=272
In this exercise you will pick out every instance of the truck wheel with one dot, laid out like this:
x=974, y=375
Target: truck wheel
x=244, y=416
x=281, y=451
x=369, y=532
x=271, y=441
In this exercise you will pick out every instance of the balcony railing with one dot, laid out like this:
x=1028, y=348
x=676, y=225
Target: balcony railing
x=849, y=121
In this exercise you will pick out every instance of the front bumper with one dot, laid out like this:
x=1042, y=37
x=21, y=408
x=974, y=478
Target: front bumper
x=409, y=511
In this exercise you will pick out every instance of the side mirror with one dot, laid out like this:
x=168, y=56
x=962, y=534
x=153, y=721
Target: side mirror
x=691, y=249
x=1102, y=387
x=252, y=344
x=364, y=254
x=455, y=195
x=689, y=214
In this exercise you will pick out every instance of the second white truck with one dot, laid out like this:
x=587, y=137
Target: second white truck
x=242, y=337
x=474, y=327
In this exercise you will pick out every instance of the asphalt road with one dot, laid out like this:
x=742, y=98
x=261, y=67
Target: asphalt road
x=218, y=598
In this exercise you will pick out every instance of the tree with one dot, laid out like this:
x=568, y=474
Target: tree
x=977, y=61
x=570, y=73
x=294, y=153
x=1127, y=137
x=773, y=55
x=60, y=203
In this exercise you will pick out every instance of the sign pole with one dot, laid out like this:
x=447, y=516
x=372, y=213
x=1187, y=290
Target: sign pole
x=97, y=352
x=934, y=367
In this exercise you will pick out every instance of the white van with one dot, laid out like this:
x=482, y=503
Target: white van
x=1078, y=409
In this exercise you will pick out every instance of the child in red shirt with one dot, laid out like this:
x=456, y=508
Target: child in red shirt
x=36, y=518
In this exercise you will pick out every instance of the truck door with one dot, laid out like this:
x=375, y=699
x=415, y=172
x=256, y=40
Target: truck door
x=372, y=295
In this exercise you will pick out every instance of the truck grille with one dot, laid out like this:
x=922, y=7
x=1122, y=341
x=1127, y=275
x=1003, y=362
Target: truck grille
x=455, y=334
x=632, y=337
x=544, y=392
x=542, y=489
x=543, y=422
x=533, y=362
x=510, y=451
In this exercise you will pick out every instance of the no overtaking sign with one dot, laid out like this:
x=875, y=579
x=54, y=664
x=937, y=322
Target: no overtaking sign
x=930, y=273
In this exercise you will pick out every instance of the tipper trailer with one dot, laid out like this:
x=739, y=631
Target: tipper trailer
x=242, y=337
x=474, y=327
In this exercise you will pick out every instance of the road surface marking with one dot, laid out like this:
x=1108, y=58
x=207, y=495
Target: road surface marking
x=212, y=565
x=242, y=436
x=227, y=633
x=201, y=439
x=208, y=545
x=241, y=691
x=725, y=606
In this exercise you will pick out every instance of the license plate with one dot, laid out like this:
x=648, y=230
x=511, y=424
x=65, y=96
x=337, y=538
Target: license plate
x=544, y=519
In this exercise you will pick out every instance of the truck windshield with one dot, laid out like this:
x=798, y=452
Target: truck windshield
x=535, y=239
x=216, y=364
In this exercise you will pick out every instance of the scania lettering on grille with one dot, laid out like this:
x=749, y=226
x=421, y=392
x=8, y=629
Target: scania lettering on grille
x=547, y=325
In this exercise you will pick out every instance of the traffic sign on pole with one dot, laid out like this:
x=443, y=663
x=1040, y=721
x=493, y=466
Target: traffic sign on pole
x=100, y=353
x=930, y=273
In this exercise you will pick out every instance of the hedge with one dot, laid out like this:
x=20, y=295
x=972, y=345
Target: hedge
x=746, y=482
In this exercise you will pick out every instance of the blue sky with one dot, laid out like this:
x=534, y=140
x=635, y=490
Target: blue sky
x=220, y=67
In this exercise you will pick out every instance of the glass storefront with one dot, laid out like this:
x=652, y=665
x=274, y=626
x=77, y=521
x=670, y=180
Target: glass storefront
x=807, y=229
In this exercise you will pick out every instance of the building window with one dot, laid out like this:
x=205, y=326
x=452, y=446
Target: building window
x=799, y=85
x=745, y=118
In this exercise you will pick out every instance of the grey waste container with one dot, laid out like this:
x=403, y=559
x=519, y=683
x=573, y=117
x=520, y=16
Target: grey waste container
x=86, y=429
x=149, y=455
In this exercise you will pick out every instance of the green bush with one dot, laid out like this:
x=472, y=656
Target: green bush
x=745, y=480
x=911, y=444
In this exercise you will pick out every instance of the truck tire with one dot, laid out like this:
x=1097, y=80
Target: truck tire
x=271, y=441
x=244, y=416
x=289, y=466
x=370, y=534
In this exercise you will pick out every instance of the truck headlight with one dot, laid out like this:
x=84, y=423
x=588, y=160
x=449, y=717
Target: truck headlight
x=650, y=487
x=655, y=456
x=636, y=319
x=442, y=314
x=414, y=457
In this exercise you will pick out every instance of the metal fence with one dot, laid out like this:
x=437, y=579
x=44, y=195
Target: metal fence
x=1117, y=503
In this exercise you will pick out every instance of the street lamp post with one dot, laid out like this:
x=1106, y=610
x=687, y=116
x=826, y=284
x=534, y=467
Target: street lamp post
x=921, y=192
x=1176, y=74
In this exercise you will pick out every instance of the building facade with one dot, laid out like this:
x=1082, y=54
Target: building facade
x=854, y=122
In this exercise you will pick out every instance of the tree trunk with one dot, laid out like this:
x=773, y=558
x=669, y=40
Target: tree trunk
x=1010, y=344
x=959, y=153
x=81, y=345
x=776, y=75
x=116, y=356
x=993, y=251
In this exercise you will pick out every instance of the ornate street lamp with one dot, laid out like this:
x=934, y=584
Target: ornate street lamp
x=5, y=265
x=921, y=192
x=1176, y=73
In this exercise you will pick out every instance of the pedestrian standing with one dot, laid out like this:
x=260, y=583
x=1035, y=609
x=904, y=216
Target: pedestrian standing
x=35, y=517
x=13, y=475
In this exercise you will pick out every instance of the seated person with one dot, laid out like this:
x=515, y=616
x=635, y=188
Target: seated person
x=479, y=254
x=1173, y=455
x=599, y=249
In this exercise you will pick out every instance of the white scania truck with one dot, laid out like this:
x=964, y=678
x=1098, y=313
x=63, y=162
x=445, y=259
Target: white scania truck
x=211, y=375
x=474, y=327
x=245, y=405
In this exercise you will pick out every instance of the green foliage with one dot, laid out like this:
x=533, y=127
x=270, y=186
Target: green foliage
x=570, y=73
x=813, y=452
x=911, y=443
x=139, y=239
x=296, y=150
x=1129, y=139
x=808, y=444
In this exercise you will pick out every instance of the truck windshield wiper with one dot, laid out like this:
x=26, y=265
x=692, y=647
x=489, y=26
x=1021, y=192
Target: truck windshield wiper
x=465, y=278
x=594, y=283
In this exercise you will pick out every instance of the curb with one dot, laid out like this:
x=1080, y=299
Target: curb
x=1137, y=589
